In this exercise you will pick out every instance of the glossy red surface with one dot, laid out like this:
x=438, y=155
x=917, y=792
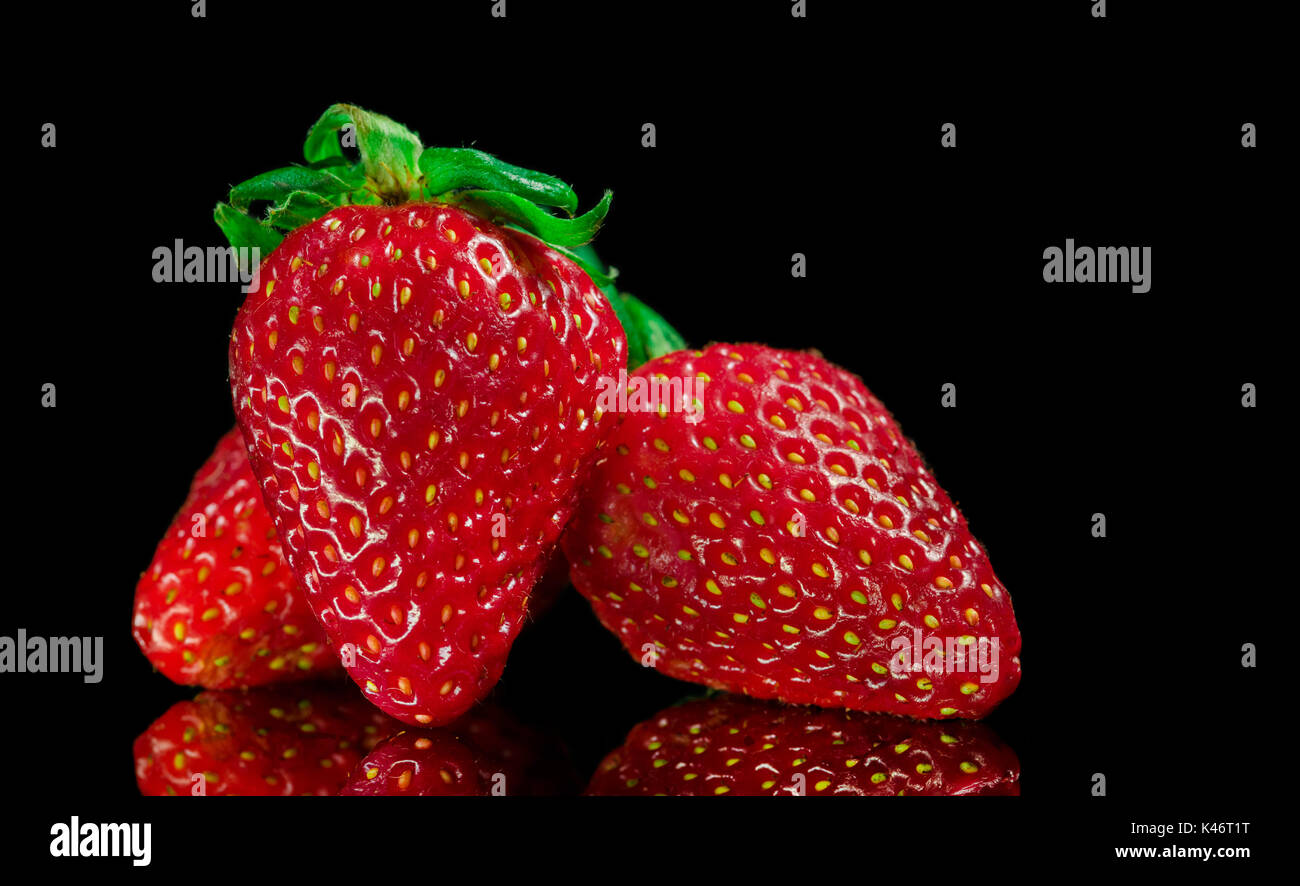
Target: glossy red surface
x=417, y=389
x=789, y=543
x=219, y=607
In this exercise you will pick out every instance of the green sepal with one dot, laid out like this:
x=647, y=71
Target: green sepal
x=297, y=209
x=657, y=336
x=636, y=352
x=389, y=151
x=394, y=168
x=446, y=169
x=278, y=184
x=244, y=232
x=502, y=206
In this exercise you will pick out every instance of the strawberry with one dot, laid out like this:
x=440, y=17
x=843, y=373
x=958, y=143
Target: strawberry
x=219, y=607
x=739, y=746
x=483, y=753
x=277, y=741
x=783, y=539
x=417, y=387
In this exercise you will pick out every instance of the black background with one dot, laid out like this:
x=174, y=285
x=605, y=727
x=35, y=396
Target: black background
x=925, y=267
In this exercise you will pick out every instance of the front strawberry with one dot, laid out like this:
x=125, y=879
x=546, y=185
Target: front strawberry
x=417, y=387
x=772, y=532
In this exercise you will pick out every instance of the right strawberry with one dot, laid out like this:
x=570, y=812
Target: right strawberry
x=758, y=523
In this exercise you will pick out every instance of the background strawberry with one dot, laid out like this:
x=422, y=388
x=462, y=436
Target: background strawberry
x=781, y=542
x=219, y=607
x=417, y=387
x=275, y=742
x=648, y=336
x=739, y=746
x=486, y=752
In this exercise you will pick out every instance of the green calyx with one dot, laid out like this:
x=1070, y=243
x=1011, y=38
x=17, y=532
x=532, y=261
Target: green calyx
x=395, y=168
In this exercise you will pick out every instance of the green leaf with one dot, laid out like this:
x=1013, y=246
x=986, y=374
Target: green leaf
x=393, y=167
x=389, y=151
x=586, y=256
x=504, y=206
x=297, y=209
x=278, y=184
x=243, y=231
x=656, y=335
x=446, y=169
x=636, y=355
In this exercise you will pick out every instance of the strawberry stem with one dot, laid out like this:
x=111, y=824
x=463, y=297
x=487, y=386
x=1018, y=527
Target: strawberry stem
x=394, y=168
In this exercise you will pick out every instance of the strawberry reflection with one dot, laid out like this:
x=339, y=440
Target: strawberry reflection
x=736, y=745
x=319, y=740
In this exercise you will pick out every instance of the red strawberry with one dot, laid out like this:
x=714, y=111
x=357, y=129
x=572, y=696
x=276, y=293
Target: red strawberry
x=734, y=745
x=219, y=607
x=279, y=742
x=418, y=391
x=483, y=753
x=787, y=542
